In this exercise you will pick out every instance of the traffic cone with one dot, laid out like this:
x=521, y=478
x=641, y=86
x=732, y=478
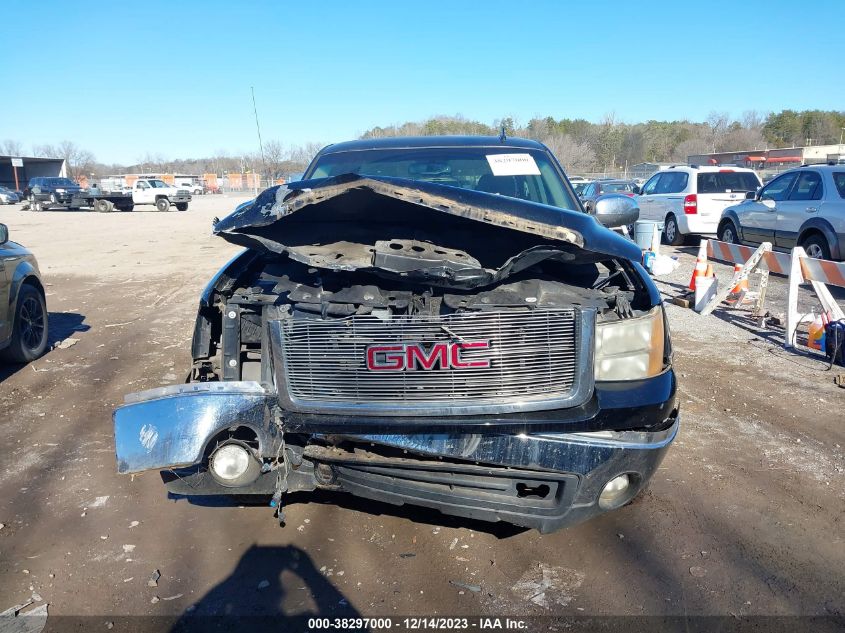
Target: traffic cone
x=742, y=286
x=700, y=269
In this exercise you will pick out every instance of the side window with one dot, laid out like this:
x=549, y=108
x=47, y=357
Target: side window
x=141, y=185
x=808, y=187
x=650, y=186
x=672, y=182
x=778, y=188
x=588, y=191
x=839, y=181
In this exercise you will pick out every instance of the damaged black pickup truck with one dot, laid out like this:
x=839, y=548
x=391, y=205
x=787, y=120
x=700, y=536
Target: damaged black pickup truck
x=430, y=321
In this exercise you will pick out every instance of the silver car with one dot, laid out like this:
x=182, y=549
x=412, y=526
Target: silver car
x=7, y=196
x=804, y=206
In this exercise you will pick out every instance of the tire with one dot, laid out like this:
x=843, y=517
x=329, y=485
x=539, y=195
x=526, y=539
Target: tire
x=816, y=246
x=728, y=233
x=182, y=206
x=163, y=204
x=671, y=233
x=29, y=329
x=103, y=206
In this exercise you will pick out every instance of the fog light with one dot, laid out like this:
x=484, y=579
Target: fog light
x=233, y=465
x=615, y=492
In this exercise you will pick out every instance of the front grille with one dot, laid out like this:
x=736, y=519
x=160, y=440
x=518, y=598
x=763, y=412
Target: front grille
x=532, y=363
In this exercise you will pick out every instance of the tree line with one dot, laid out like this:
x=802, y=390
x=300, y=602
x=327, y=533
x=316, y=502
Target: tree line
x=610, y=144
x=580, y=145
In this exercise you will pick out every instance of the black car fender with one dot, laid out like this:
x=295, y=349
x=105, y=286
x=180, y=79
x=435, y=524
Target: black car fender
x=25, y=272
x=824, y=227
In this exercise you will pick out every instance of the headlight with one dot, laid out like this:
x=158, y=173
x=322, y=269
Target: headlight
x=233, y=465
x=630, y=349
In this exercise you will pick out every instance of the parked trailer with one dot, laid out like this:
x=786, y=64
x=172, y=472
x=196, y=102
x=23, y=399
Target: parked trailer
x=146, y=191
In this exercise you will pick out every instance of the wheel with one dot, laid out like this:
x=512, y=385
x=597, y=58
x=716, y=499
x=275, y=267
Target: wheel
x=671, y=233
x=728, y=233
x=29, y=329
x=816, y=246
x=182, y=206
x=163, y=204
x=103, y=206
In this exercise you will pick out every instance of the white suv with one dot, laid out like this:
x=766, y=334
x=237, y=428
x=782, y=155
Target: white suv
x=690, y=199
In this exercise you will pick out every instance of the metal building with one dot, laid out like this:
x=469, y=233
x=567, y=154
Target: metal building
x=29, y=167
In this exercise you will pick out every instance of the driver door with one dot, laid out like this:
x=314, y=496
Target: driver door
x=142, y=193
x=759, y=217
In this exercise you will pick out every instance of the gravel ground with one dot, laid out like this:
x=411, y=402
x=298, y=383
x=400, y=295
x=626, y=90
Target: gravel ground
x=744, y=517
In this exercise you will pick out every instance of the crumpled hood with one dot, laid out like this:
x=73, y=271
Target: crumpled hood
x=417, y=230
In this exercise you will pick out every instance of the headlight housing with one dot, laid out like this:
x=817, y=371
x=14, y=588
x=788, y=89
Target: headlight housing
x=630, y=349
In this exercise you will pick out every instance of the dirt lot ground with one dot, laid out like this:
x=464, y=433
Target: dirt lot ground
x=744, y=517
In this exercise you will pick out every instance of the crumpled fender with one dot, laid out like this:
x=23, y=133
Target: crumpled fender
x=169, y=427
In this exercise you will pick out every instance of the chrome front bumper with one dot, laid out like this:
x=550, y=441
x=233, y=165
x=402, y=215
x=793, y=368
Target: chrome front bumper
x=171, y=428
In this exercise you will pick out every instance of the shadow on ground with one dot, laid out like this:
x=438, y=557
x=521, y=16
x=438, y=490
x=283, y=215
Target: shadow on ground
x=271, y=585
x=60, y=325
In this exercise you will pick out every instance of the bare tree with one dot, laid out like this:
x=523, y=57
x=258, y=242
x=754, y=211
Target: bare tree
x=45, y=151
x=302, y=154
x=719, y=124
x=690, y=147
x=274, y=157
x=79, y=161
x=11, y=148
x=574, y=156
x=753, y=120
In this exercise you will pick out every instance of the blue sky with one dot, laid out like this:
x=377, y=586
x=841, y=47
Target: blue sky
x=173, y=78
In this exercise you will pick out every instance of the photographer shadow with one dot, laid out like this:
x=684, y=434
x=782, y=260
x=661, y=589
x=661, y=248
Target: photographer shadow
x=271, y=588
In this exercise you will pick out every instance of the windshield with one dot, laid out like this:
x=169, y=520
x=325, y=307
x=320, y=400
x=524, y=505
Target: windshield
x=579, y=186
x=60, y=182
x=514, y=172
x=727, y=181
x=159, y=184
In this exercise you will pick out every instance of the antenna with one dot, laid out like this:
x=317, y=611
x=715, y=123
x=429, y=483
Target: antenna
x=258, y=128
x=502, y=136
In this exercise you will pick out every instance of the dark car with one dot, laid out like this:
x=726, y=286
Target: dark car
x=47, y=191
x=432, y=321
x=592, y=191
x=23, y=319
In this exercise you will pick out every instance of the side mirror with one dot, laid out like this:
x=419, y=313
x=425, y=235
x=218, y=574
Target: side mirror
x=636, y=190
x=4, y=233
x=768, y=202
x=614, y=210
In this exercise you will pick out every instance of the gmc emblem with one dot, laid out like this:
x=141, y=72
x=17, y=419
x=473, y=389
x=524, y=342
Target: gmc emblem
x=414, y=356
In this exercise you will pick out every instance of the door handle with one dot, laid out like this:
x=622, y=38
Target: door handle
x=811, y=209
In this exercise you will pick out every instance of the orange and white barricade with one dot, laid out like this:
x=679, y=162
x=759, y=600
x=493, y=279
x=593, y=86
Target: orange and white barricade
x=819, y=273
x=745, y=259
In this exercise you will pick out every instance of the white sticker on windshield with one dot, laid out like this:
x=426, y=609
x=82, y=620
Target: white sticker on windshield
x=513, y=165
